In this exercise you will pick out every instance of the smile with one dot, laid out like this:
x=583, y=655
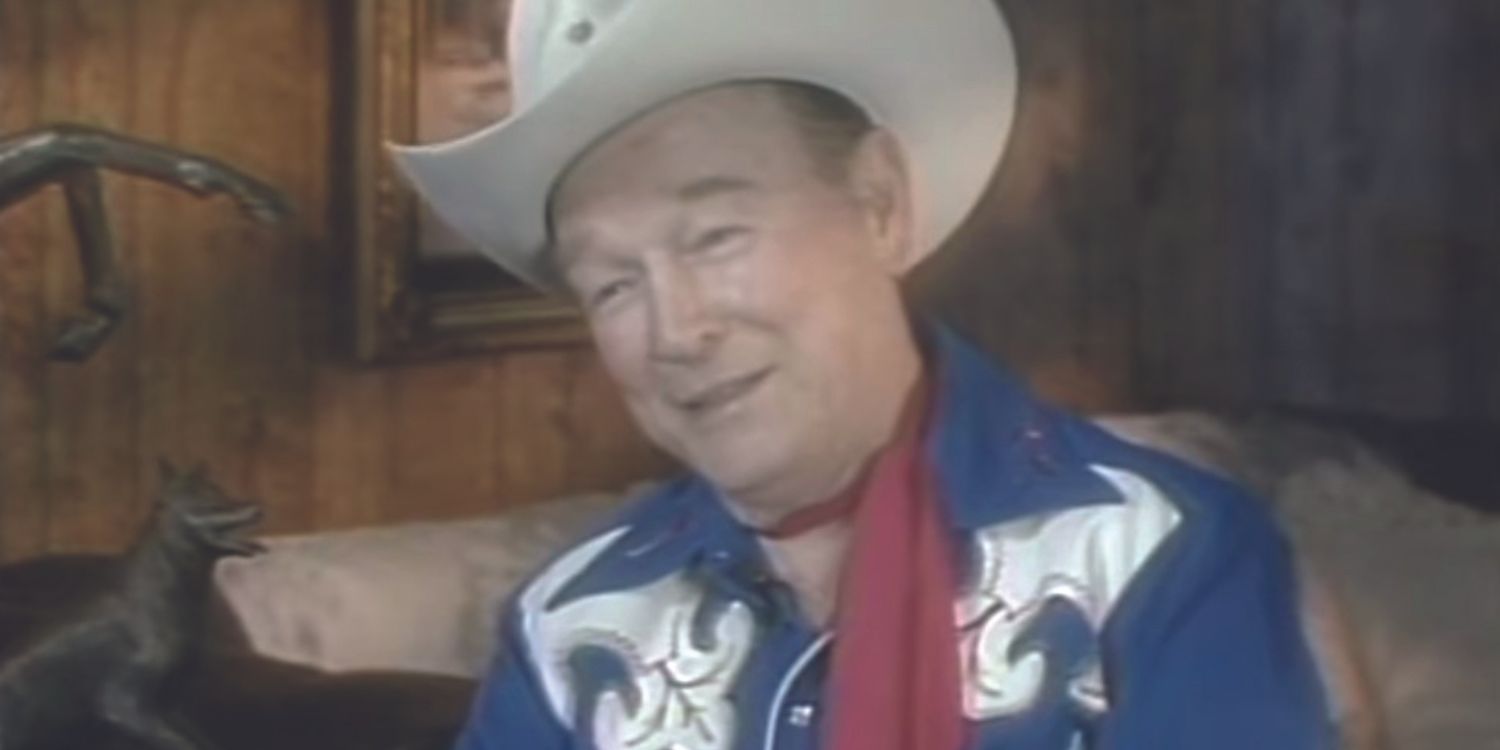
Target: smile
x=723, y=394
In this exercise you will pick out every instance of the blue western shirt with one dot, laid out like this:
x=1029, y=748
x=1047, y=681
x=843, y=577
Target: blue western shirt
x=1114, y=598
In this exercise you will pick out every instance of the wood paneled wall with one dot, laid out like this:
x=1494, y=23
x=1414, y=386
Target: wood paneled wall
x=1250, y=202
x=1267, y=201
x=234, y=353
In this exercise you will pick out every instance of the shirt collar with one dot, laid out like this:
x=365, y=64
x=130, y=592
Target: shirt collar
x=999, y=453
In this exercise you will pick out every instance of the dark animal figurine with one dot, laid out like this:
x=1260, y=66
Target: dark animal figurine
x=72, y=156
x=115, y=665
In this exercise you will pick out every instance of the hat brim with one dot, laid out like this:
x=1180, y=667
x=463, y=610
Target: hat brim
x=939, y=74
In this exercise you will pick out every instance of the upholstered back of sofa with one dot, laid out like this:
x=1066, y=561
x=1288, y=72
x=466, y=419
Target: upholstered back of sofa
x=1419, y=578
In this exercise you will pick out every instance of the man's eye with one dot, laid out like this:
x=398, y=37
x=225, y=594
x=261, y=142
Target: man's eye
x=609, y=292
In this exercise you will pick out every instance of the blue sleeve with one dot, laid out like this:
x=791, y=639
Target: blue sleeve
x=1206, y=649
x=511, y=710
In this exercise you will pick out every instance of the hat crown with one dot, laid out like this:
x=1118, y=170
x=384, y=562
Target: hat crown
x=551, y=38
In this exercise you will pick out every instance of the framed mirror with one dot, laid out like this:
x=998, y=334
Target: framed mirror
x=425, y=71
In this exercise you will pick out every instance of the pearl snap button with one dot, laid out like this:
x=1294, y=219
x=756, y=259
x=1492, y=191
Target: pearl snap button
x=801, y=715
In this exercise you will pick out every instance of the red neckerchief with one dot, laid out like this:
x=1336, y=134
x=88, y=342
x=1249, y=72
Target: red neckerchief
x=896, y=680
x=896, y=676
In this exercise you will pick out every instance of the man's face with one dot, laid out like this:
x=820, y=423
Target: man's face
x=745, y=303
x=464, y=86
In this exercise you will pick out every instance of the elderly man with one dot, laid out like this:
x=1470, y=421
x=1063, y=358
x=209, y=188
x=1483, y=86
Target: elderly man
x=883, y=541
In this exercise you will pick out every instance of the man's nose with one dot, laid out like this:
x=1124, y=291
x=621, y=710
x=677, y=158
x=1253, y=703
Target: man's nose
x=684, y=327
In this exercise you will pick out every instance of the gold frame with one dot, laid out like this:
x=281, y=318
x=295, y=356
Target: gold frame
x=406, y=306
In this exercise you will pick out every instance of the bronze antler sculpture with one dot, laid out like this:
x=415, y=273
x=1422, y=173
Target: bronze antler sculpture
x=72, y=156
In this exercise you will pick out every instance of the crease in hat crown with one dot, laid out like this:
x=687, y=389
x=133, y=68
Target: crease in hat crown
x=940, y=74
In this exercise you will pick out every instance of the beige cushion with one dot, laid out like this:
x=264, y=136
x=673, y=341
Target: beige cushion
x=420, y=597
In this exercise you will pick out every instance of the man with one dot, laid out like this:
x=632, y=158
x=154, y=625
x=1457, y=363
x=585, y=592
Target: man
x=882, y=541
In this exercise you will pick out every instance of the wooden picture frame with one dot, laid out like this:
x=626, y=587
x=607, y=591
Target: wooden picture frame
x=408, y=305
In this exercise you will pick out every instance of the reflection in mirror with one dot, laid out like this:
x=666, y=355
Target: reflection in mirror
x=462, y=85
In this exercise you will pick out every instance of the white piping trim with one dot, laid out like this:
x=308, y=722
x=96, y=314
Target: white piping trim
x=772, y=723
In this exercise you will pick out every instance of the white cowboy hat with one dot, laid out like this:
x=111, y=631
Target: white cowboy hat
x=939, y=74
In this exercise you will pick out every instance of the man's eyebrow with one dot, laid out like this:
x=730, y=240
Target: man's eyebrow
x=565, y=259
x=709, y=187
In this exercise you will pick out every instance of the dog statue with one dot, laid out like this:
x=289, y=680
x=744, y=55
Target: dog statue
x=115, y=664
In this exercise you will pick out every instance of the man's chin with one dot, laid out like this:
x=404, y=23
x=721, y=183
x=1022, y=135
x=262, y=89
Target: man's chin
x=738, y=473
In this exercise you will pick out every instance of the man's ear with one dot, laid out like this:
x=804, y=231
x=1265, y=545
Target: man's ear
x=882, y=187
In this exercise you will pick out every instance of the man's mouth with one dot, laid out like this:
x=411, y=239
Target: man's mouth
x=723, y=393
